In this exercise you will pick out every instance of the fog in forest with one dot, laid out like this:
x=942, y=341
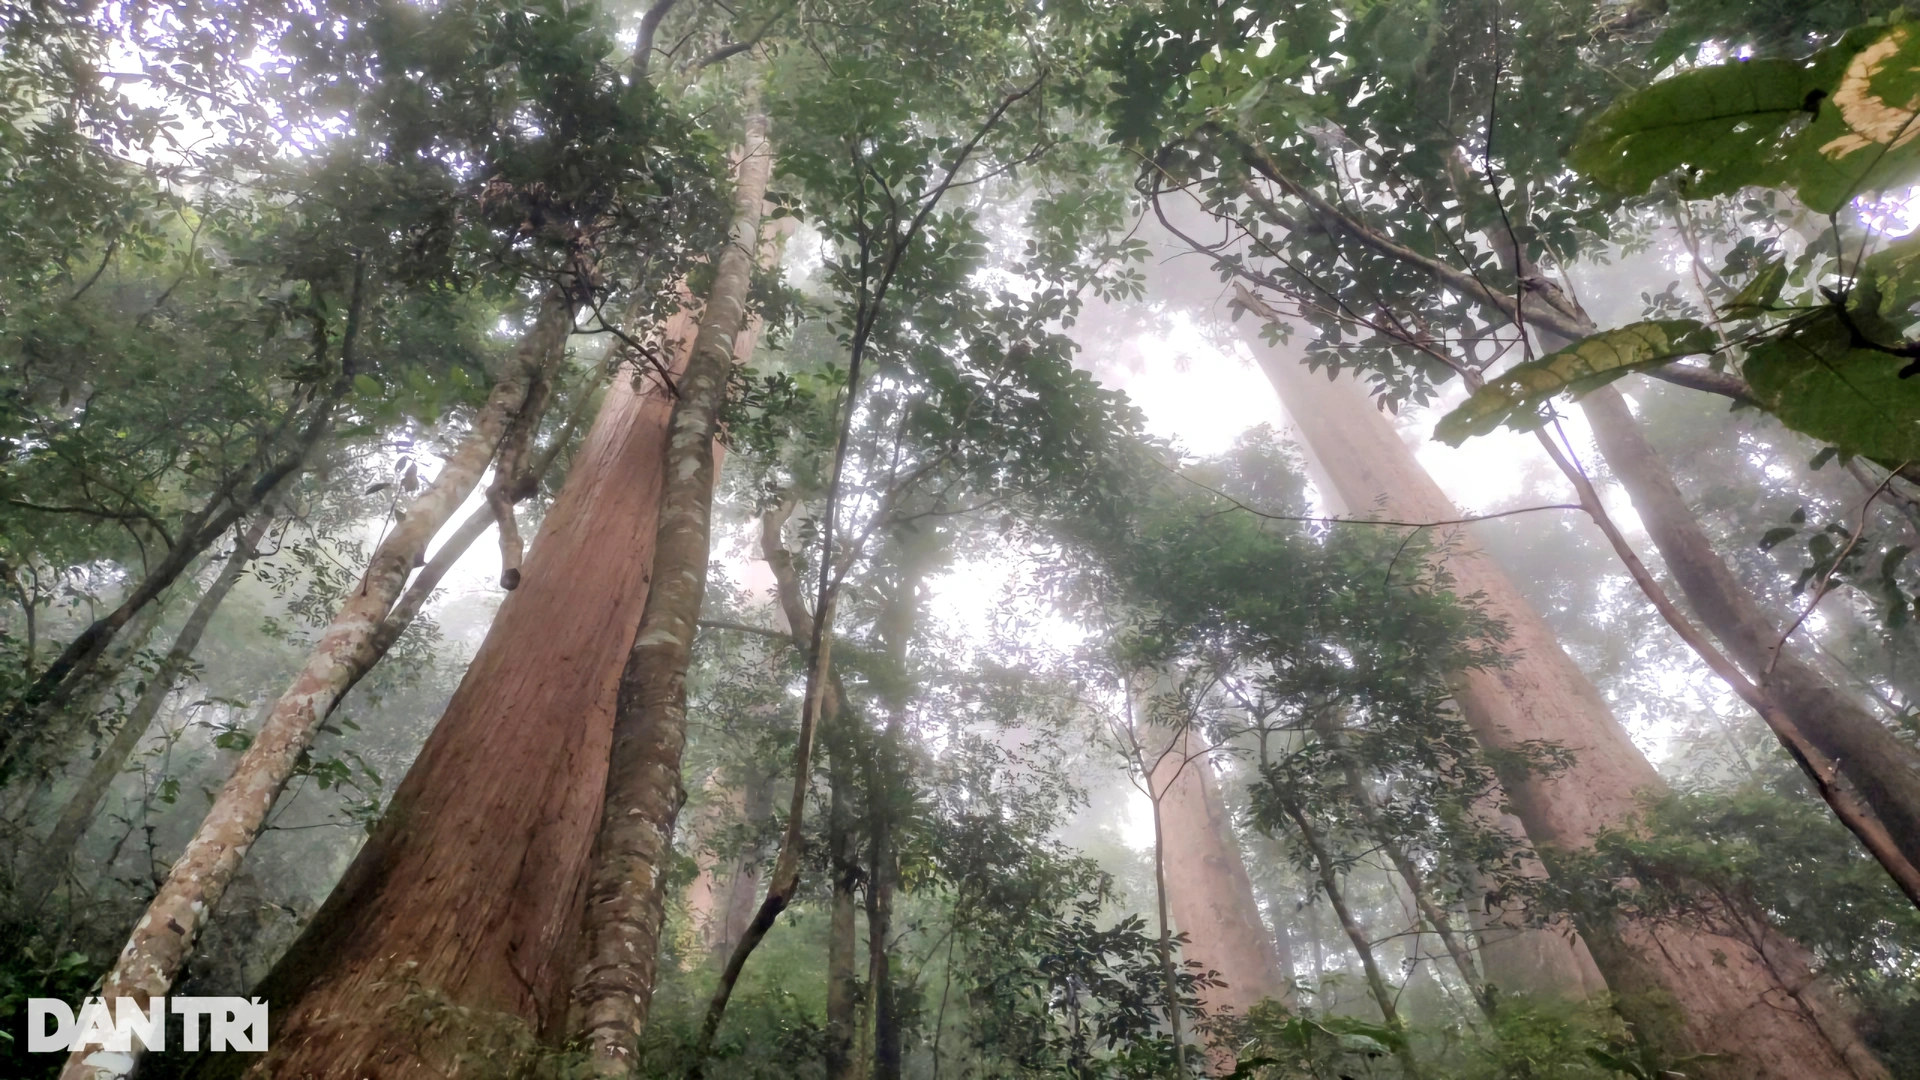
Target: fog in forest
x=926, y=541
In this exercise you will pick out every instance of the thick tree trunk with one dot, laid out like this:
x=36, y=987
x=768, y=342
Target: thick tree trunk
x=1757, y=1006
x=1881, y=766
x=470, y=890
x=626, y=904
x=164, y=937
x=1208, y=887
x=78, y=813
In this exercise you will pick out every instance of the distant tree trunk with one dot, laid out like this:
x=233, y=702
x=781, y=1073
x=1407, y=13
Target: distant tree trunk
x=843, y=859
x=743, y=885
x=70, y=671
x=1757, y=1006
x=888, y=796
x=78, y=813
x=1881, y=766
x=722, y=896
x=164, y=937
x=626, y=904
x=1208, y=887
x=708, y=893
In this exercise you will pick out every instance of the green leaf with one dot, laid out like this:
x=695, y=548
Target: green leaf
x=367, y=386
x=1587, y=364
x=1721, y=125
x=1894, y=272
x=1818, y=384
x=1759, y=295
x=1864, y=136
x=1736, y=125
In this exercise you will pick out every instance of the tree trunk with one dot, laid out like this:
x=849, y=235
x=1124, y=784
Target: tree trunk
x=164, y=936
x=1432, y=914
x=1757, y=1007
x=1209, y=890
x=78, y=813
x=743, y=885
x=843, y=988
x=822, y=704
x=709, y=892
x=889, y=797
x=469, y=892
x=1881, y=766
x=1356, y=934
x=69, y=671
x=626, y=903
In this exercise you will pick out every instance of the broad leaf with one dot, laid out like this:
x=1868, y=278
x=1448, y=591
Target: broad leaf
x=1818, y=384
x=1591, y=362
x=1863, y=137
x=1760, y=294
x=1721, y=125
x=1894, y=273
x=1738, y=125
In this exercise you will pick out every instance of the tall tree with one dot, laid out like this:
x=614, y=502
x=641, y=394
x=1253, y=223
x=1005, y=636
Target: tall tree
x=1211, y=896
x=626, y=901
x=540, y=694
x=158, y=948
x=1541, y=696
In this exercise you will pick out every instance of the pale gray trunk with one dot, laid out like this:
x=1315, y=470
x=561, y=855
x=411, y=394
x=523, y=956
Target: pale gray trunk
x=626, y=905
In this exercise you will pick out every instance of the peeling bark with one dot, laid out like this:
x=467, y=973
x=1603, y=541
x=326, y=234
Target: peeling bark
x=164, y=936
x=626, y=905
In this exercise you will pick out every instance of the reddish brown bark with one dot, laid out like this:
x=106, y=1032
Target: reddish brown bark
x=1207, y=884
x=471, y=889
x=164, y=937
x=1754, y=1002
